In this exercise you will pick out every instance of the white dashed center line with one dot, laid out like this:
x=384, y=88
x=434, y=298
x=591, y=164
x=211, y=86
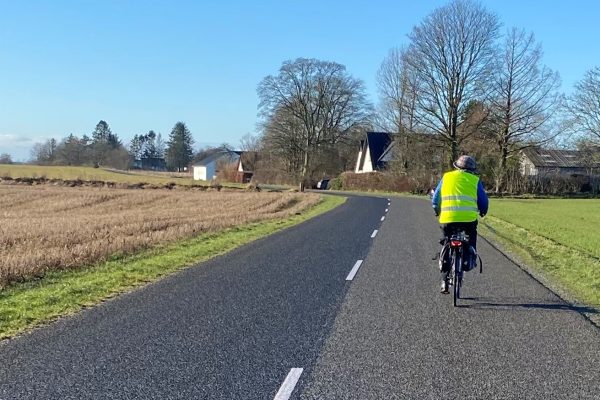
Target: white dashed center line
x=287, y=387
x=386, y=210
x=382, y=218
x=374, y=233
x=354, y=270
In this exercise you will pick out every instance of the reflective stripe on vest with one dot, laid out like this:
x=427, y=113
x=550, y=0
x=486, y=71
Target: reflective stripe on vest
x=459, y=197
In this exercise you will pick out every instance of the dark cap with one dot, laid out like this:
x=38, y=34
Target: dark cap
x=465, y=162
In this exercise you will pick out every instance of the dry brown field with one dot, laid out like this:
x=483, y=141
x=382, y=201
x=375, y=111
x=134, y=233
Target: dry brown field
x=46, y=228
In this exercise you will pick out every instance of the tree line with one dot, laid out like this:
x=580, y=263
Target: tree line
x=103, y=148
x=460, y=85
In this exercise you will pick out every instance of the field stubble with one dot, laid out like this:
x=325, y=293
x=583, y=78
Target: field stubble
x=46, y=228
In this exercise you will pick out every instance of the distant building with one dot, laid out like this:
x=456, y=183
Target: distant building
x=374, y=152
x=207, y=168
x=150, y=163
x=536, y=161
x=245, y=167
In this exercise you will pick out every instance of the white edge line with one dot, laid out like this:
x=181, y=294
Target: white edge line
x=386, y=210
x=382, y=218
x=354, y=270
x=374, y=233
x=287, y=387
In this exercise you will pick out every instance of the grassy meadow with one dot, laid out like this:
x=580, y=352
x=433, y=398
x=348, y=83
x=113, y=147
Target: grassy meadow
x=558, y=237
x=94, y=174
x=45, y=228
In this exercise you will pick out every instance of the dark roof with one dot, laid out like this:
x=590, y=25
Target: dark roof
x=555, y=158
x=387, y=154
x=378, y=142
x=215, y=156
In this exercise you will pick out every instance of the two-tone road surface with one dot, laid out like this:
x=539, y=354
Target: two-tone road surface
x=345, y=306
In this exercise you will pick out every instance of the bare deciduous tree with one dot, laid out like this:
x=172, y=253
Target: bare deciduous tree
x=523, y=96
x=584, y=105
x=5, y=158
x=397, y=93
x=319, y=99
x=44, y=153
x=397, y=85
x=284, y=139
x=451, y=53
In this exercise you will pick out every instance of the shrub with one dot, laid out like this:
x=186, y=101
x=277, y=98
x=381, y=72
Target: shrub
x=374, y=181
x=336, y=183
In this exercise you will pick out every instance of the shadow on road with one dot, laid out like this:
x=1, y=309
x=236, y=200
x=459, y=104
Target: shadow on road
x=483, y=303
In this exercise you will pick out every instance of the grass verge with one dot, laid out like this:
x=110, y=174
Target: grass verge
x=577, y=273
x=29, y=304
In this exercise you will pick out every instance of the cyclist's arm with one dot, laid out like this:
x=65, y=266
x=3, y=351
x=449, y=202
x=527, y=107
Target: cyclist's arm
x=482, y=199
x=436, y=202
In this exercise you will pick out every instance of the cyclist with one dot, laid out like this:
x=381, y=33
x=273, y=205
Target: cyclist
x=458, y=198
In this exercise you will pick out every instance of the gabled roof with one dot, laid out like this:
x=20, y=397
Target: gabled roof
x=217, y=155
x=388, y=153
x=555, y=158
x=378, y=142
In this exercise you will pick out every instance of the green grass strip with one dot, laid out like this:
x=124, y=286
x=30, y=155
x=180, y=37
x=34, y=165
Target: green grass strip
x=575, y=271
x=58, y=294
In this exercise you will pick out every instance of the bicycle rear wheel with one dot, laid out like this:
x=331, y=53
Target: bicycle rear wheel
x=456, y=275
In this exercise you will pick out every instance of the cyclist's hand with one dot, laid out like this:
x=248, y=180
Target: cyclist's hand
x=482, y=215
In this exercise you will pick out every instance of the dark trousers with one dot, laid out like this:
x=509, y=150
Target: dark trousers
x=470, y=229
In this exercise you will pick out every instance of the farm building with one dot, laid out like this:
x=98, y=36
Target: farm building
x=150, y=163
x=245, y=167
x=234, y=166
x=207, y=168
x=536, y=161
x=373, y=151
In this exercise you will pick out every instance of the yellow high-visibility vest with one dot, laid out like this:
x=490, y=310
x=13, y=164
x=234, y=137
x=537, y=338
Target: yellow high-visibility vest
x=459, y=197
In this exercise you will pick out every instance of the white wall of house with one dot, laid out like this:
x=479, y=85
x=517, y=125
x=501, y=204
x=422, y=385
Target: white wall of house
x=205, y=172
x=357, y=168
x=199, y=172
x=368, y=165
x=527, y=167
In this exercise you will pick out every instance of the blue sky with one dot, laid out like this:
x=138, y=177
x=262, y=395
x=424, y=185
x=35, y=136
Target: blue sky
x=141, y=65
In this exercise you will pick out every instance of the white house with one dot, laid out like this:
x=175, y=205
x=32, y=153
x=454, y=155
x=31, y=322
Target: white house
x=374, y=152
x=207, y=168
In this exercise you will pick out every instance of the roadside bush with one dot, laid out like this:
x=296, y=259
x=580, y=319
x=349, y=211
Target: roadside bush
x=336, y=183
x=374, y=181
x=551, y=184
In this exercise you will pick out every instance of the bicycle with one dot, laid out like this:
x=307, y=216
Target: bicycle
x=456, y=250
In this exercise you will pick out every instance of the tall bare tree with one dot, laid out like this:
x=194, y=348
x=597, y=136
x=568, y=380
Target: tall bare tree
x=451, y=53
x=284, y=138
x=317, y=102
x=523, y=96
x=584, y=105
x=396, y=84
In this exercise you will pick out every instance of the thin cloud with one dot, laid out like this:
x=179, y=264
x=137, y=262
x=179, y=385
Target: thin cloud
x=7, y=139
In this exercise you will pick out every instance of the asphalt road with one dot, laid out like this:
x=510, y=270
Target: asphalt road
x=234, y=327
